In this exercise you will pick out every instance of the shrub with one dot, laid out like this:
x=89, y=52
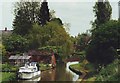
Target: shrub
x=7, y=67
x=109, y=73
x=100, y=56
x=8, y=76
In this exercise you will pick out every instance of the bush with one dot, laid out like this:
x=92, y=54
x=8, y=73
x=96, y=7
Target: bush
x=104, y=41
x=100, y=56
x=16, y=43
x=6, y=67
x=109, y=73
x=8, y=76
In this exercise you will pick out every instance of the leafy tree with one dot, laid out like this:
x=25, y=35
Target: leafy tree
x=52, y=14
x=44, y=15
x=102, y=11
x=35, y=36
x=105, y=41
x=82, y=41
x=52, y=34
x=58, y=20
x=56, y=33
x=2, y=52
x=110, y=72
x=26, y=13
x=2, y=49
x=16, y=43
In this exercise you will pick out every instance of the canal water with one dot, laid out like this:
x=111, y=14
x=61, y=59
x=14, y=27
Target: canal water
x=60, y=73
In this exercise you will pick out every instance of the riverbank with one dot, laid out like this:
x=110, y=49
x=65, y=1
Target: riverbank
x=9, y=72
x=83, y=69
x=106, y=73
x=78, y=71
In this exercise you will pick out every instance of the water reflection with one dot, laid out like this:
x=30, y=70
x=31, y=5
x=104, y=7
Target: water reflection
x=33, y=80
x=60, y=73
x=75, y=76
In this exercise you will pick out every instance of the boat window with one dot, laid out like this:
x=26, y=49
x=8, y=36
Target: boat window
x=32, y=64
x=22, y=68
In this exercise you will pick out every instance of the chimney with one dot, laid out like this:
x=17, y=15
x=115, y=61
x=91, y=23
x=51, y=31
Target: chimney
x=119, y=9
x=5, y=28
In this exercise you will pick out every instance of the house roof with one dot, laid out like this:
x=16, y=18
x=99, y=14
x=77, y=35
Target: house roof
x=19, y=57
x=39, y=53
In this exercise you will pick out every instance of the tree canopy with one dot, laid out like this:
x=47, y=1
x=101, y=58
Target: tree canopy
x=103, y=11
x=16, y=43
x=44, y=15
x=26, y=13
x=104, y=42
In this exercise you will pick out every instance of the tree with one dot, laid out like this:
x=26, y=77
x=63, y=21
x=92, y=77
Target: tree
x=104, y=42
x=58, y=20
x=16, y=43
x=82, y=41
x=2, y=50
x=35, y=36
x=102, y=11
x=44, y=15
x=26, y=13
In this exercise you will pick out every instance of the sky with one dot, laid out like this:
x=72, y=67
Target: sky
x=78, y=13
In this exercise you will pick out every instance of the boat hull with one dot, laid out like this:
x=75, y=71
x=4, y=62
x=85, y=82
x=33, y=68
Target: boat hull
x=28, y=75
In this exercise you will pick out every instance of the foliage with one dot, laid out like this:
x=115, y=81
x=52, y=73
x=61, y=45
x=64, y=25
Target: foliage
x=44, y=15
x=51, y=34
x=103, y=43
x=16, y=43
x=110, y=72
x=108, y=34
x=83, y=66
x=26, y=13
x=103, y=11
x=2, y=49
x=58, y=20
x=35, y=37
x=6, y=76
x=82, y=39
x=44, y=66
x=7, y=67
x=55, y=49
x=55, y=34
x=58, y=51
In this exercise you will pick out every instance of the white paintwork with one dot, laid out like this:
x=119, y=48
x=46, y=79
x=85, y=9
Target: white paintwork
x=75, y=76
x=28, y=71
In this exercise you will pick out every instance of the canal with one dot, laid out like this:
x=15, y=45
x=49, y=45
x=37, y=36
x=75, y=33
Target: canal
x=60, y=73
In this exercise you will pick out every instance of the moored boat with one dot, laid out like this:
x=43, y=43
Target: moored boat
x=30, y=70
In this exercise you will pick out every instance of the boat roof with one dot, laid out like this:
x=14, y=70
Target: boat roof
x=19, y=57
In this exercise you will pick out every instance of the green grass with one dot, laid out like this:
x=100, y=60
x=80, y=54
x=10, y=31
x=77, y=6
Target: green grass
x=6, y=76
x=85, y=67
x=77, y=66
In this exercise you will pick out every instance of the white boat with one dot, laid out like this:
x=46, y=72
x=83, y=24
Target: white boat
x=30, y=70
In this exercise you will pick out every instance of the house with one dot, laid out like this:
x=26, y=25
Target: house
x=18, y=59
x=6, y=32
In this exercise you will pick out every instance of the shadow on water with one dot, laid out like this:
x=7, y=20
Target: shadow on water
x=60, y=73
